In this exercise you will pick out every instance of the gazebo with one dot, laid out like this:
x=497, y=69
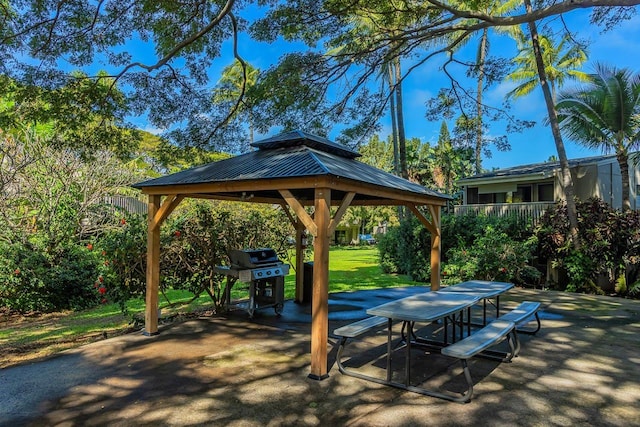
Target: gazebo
x=294, y=170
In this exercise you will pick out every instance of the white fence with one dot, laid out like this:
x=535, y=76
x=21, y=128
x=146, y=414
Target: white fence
x=127, y=203
x=530, y=210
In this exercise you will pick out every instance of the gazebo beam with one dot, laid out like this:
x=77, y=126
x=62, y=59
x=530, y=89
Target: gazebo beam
x=380, y=195
x=299, y=226
x=300, y=212
x=344, y=205
x=157, y=213
x=300, y=248
x=170, y=203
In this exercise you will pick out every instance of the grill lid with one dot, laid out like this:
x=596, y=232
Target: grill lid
x=253, y=258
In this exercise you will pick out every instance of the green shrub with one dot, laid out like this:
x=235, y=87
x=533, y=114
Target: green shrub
x=493, y=255
x=123, y=255
x=388, y=245
x=610, y=244
x=462, y=230
x=32, y=279
x=406, y=249
x=193, y=241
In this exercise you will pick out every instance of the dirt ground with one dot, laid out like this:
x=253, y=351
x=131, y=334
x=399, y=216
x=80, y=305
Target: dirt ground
x=582, y=368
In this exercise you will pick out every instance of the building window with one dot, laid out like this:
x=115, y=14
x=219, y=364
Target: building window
x=522, y=194
x=545, y=193
x=487, y=198
x=472, y=196
x=341, y=237
x=500, y=198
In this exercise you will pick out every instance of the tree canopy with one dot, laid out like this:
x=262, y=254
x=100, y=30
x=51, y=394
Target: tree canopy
x=167, y=75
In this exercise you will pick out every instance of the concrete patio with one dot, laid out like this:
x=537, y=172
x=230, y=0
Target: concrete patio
x=582, y=368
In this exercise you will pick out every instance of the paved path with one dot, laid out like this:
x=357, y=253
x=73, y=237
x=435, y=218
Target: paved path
x=583, y=368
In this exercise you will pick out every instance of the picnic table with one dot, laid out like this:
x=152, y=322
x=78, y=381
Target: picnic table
x=485, y=290
x=430, y=307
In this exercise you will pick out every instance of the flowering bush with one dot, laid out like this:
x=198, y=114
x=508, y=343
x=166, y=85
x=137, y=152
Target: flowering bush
x=194, y=240
x=32, y=279
x=610, y=246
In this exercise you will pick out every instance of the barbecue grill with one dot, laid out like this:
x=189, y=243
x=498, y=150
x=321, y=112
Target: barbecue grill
x=262, y=271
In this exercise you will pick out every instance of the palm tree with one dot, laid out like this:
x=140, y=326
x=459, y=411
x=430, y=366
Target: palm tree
x=561, y=63
x=540, y=65
x=492, y=7
x=605, y=114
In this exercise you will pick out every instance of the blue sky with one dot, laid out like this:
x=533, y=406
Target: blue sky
x=620, y=48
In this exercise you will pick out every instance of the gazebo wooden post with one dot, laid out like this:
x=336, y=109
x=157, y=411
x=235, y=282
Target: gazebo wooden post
x=436, y=250
x=320, y=298
x=300, y=248
x=153, y=268
x=434, y=228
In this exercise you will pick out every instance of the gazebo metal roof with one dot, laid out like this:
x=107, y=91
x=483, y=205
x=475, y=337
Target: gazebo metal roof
x=295, y=170
x=292, y=155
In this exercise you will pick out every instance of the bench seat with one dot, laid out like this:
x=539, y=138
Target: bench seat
x=492, y=334
x=521, y=315
x=475, y=343
x=355, y=329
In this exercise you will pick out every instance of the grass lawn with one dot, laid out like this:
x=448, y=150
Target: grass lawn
x=25, y=338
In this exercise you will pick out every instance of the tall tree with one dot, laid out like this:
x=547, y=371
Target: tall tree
x=450, y=162
x=169, y=81
x=394, y=121
x=81, y=114
x=562, y=61
x=567, y=180
x=605, y=114
x=387, y=20
x=491, y=7
x=236, y=80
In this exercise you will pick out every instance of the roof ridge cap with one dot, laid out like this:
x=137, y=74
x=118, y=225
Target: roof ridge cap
x=313, y=153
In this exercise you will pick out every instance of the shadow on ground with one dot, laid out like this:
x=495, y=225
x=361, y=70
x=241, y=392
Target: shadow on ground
x=582, y=368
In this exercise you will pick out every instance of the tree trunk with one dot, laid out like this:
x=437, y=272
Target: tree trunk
x=567, y=181
x=394, y=124
x=250, y=126
x=402, y=142
x=623, y=162
x=481, y=59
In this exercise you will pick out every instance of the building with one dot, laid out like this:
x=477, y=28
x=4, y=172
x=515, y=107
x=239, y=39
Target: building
x=528, y=190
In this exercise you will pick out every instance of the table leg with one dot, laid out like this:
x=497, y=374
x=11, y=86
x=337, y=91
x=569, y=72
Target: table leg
x=484, y=312
x=407, y=367
x=389, y=325
x=446, y=330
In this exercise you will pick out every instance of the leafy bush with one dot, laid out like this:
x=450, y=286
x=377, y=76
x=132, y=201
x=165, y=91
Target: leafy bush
x=201, y=236
x=193, y=241
x=406, y=249
x=388, y=245
x=610, y=244
x=493, y=255
x=34, y=280
x=462, y=230
x=123, y=255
